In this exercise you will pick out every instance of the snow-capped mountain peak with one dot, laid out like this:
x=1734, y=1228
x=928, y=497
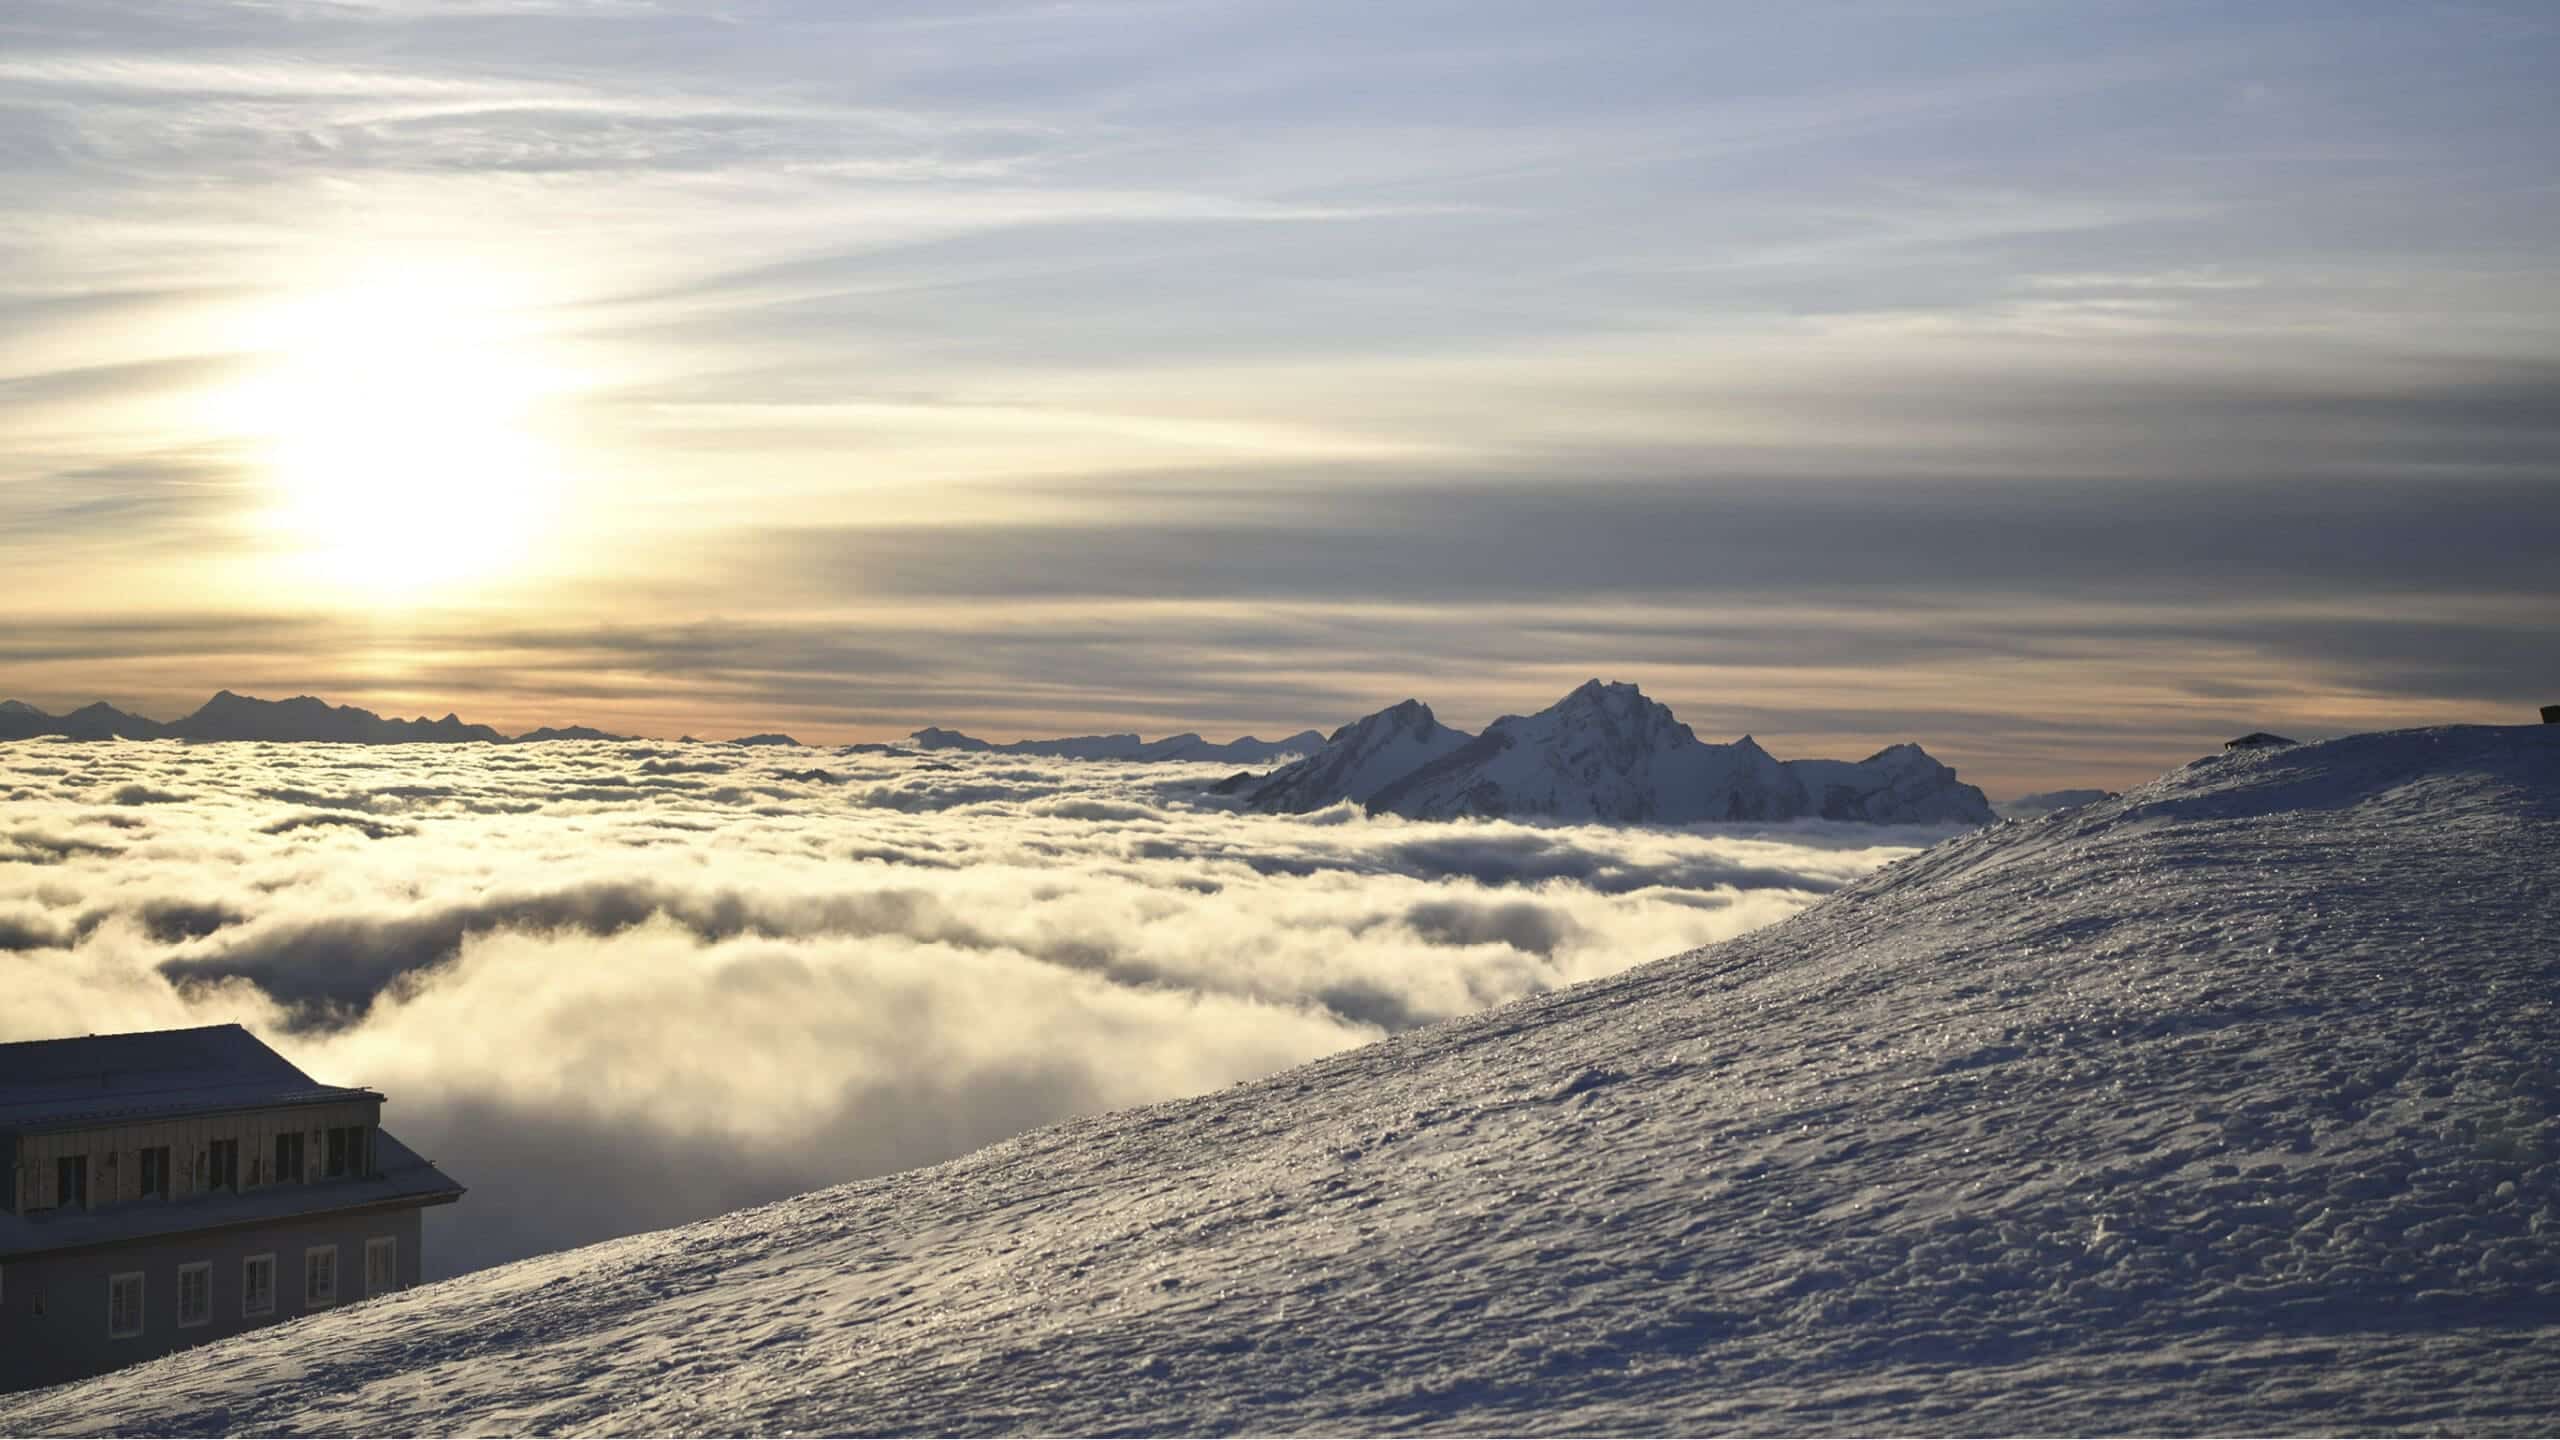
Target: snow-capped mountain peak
x=1604, y=752
x=1900, y=783
x=1618, y=719
x=1359, y=759
x=1608, y=752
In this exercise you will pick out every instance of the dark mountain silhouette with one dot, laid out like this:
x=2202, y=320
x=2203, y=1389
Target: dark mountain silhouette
x=231, y=716
x=1245, y=750
x=228, y=716
x=99, y=721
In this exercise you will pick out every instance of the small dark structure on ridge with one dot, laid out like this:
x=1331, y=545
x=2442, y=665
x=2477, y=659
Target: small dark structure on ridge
x=2551, y=714
x=2258, y=740
x=169, y=1187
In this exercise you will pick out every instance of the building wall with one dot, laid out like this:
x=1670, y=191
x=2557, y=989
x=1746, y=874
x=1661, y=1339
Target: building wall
x=115, y=1163
x=53, y=1309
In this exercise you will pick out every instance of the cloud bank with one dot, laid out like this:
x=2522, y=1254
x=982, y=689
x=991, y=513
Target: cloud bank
x=614, y=986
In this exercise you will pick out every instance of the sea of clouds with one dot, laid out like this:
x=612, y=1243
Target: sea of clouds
x=611, y=987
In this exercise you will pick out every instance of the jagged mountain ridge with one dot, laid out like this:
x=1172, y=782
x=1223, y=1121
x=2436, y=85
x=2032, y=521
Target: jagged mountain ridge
x=306, y=718
x=1188, y=746
x=1605, y=752
x=303, y=719
x=1358, y=760
x=96, y=721
x=1898, y=784
x=2223, y=1107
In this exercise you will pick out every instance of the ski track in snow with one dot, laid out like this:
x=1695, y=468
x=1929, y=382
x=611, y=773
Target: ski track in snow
x=2225, y=1106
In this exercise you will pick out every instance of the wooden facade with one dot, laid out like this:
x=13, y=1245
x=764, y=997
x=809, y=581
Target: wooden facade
x=114, y=1153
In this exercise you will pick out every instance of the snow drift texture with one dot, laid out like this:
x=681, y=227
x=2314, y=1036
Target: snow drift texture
x=617, y=986
x=2226, y=1105
x=1604, y=753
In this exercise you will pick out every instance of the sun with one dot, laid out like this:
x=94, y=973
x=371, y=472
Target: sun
x=396, y=426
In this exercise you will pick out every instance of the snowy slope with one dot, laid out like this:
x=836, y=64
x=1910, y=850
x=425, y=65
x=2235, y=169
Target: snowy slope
x=1359, y=759
x=2226, y=1105
x=2045, y=802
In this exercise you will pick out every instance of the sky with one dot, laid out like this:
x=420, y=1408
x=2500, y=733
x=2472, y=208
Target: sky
x=2065, y=387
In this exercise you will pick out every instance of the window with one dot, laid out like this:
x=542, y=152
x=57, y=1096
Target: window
x=155, y=1172
x=288, y=1157
x=381, y=1265
x=223, y=1173
x=124, y=1305
x=71, y=1182
x=320, y=1276
x=347, y=1151
x=195, y=1294
x=257, y=1286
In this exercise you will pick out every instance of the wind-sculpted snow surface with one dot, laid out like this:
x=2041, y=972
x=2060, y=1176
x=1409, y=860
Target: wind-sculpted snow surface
x=617, y=986
x=2225, y=1106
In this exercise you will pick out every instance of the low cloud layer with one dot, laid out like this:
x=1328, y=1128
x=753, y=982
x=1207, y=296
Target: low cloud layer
x=615, y=986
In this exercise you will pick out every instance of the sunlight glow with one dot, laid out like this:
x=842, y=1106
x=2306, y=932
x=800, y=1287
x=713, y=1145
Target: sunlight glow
x=398, y=430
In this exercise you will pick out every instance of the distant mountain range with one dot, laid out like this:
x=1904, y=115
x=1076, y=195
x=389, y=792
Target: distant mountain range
x=1604, y=753
x=229, y=716
x=240, y=717
x=1249, y=750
